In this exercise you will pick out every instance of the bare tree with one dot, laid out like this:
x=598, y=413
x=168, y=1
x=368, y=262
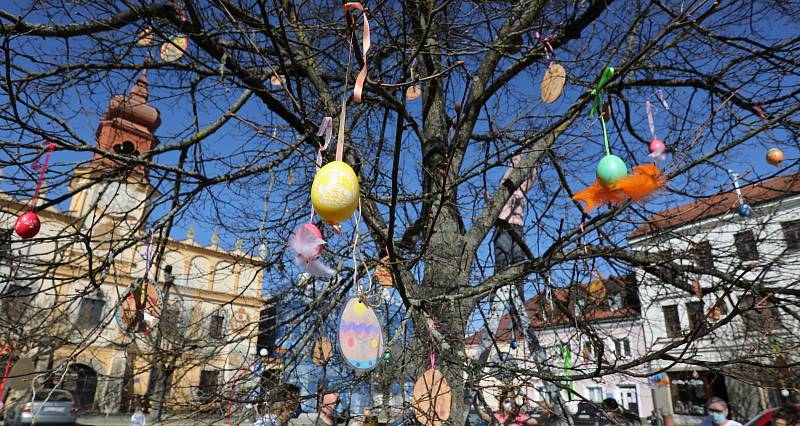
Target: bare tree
x=236, y=150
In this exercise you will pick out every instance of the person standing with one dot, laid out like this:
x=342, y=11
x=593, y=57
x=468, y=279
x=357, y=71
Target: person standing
x=509, y=413
x=718, y=413
x=138, y=418
x=509, y=234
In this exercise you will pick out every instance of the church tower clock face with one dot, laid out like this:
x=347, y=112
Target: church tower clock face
x=119, y=199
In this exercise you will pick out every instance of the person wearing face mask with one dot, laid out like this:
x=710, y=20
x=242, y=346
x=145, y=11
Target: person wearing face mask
x=718, y=413
x=509, y=414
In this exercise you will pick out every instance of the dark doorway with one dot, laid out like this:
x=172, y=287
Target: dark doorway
x=81, y=381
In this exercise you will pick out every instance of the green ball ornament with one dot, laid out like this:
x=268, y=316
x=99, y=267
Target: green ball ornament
x=387, y=356
x=610, y=169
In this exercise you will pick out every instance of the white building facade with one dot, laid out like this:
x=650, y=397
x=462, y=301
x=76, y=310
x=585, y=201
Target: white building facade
x=583, y=329
x=735, y=303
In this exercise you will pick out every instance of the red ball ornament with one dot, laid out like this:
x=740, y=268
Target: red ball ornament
x=775, y=156
x=657, y=147
x=28, y=225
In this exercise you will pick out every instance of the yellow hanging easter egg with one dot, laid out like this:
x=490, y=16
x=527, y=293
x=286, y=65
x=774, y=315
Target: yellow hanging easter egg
x=334, y=192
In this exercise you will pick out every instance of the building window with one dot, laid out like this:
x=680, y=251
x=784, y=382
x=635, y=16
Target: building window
x=268, y=327
x=759, y=317
x=5, y=247
x=595, y=393
x=170, y=323
x=209, y=383
x=615, y=301
x=791, y=234
x=697, y=317
x=543, y=394
x=702, y=255
x=591, y=350
x=629, y=398
x=672, y=321
x=718, y=310
x=216, y=326
x=622, y=348
x=90, y=310
x=16, y=300
x=746, y=247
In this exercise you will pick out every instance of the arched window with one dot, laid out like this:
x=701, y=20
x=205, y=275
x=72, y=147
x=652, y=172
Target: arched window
x=126, y=148
x=198, y=272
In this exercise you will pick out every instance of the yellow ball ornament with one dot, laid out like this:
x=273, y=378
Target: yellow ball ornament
x=334, y=193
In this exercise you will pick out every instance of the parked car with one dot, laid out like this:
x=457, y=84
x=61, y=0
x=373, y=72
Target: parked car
x=59, y=408
x=591, y=414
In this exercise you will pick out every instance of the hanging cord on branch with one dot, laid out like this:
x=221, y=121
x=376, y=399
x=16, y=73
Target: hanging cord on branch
x=42, y=169
x=608, y=74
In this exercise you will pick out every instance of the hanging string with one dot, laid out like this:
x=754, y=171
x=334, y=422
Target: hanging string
x=148, y=255
x=41, y=168
x=660, y=96
x=735, y=178
x=343, y=112
x=365, y=42
x=432, y=325
x=605, y=136
x=325, y=128
x=650, y=120
x=608, y=74
x=548, y=48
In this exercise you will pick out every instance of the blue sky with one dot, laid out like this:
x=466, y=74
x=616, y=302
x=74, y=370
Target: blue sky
x=83, y=106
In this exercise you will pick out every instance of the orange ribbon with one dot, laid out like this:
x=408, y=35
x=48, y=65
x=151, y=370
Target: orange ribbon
x=365, y=41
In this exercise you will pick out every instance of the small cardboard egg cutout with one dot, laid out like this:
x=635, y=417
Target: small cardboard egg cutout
x=432, y=398
x=553, y=83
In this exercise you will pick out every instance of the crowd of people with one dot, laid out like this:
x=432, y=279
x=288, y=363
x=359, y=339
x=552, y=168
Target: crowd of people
x=284, y=403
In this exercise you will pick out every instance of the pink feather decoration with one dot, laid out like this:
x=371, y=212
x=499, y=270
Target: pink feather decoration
x=307, y=243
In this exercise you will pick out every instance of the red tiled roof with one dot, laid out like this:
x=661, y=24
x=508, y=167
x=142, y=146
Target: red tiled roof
x=757, y=193
x=564, y=298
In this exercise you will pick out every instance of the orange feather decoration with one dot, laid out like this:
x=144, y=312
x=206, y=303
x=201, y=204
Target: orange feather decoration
x=597, y=195
x=643, y=182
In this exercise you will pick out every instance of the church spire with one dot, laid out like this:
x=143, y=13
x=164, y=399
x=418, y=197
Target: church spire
x=128, y=126
x=139, y=91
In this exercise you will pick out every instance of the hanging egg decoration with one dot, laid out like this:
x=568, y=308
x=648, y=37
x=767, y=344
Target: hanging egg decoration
x=775, y=156
x=657, y=147
x=513, y=344
x=145, y=37
x=277, y=80
x=413, y=92
x=334, y=192
x=610, y=169
x=383, y=274
x=360, y=336
x=432, y=398
x=27, y=225
x=744, y=210
x=321, y=352
x=173, y=49
x=140, y=309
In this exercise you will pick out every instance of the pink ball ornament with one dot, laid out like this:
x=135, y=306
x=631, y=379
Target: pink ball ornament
x=657, y=147
x=27, y=225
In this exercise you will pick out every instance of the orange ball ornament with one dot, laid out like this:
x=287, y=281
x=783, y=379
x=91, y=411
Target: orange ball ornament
x=775, y=156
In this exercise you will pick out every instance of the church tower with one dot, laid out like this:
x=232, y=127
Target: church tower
x=128, y=127
x=119, y=189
